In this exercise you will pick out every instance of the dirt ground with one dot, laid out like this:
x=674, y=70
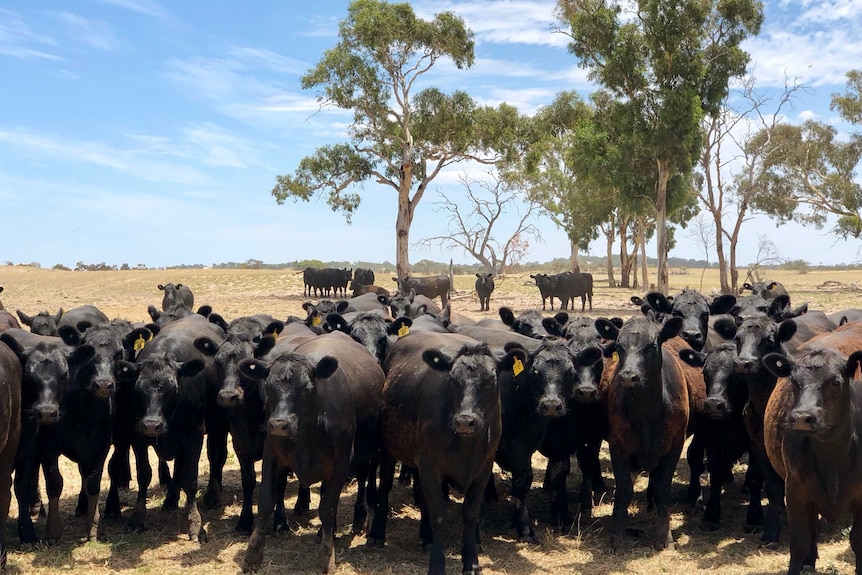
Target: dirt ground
x=165, y=548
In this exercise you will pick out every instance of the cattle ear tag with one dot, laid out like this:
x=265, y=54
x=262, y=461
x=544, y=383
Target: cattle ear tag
x=517, y=366
x=316, y=321
x=403, y=330
x=615, y=356
x=140, y=343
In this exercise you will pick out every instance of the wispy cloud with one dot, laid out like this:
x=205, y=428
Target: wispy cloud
x=94, y=33
x=19, y=40
x=147, y=7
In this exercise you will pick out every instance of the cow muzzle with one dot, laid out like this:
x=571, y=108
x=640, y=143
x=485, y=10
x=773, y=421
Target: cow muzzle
x=585, y=394
x=743, y=365
x=804, y=420
x=104, y=389
x=152, y=426
x=229, y=397
x=716, y=408
x=552, y=407
x=281, y=426
x=46, y=413
x=629, y=379
x=465, y=424
x=694, y=339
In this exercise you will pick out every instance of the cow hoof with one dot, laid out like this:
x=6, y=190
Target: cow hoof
x=529, y=538
x=662, y=545
x=212, y=499
x=199, y=537
x=252, y=561
x=380, y=543
x=709, y=525
x=244, y=526
x=769, y=545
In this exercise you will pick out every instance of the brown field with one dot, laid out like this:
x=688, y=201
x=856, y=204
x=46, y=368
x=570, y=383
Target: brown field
x=165, y=547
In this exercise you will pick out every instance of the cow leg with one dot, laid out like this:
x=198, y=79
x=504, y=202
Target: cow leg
x=266, y=503
x=91, y=479
x=360, y=507
x=522, y=479
x=279, y=518
x=164, y=473
x=7, y=462
x=660, y=480
x=802, y=528
x=557, y=472
x=717, y=463
x=694, y=456
x=592, y=482
x=622, y=498
x=377, y=533
x=138, y=522
x=775, y=495
x=330, y=492
x=188, y=472
x=470, y=514
x=247, y=475
x=217, y=431
x=855, y=535
x=120, y=474
x=54, y=487
x=26, y=471
x=434, y=514
x=303, y=500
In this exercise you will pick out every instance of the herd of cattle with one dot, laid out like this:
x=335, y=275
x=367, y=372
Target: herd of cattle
x=363, y=383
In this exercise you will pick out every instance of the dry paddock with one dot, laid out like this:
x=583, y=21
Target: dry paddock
x=165, y=548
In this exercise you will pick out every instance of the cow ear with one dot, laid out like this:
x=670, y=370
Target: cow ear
x=748, y=286
x=154, y=329
x=437, y=360
x=516, y=355
x=778, y=303
x=589, y=357
x=553, y=326
x=274, y=328
x=335, y=322
x=637, y=300
x=606, y=329
x=801, y=310
x=126, y=373
x=507, y=316
x=771, y=285
x=383, y=300
x=265, y=346
x=205, y=310
x=421, y=310
x=786, y=329
x=778, y=364
x=725, y=328
x=16, y=348
x=670, y=329
x=70, y=335
x=218, y=320
x=618, y=321
x=161, y=287
x=398, y=325
x=254, y=369
x=722, y=304
x=190, y=368
x=154, y=313
x=135, y=341
x=206, y=346
x=658, y=302
x=58, y=315
x=325, y=367
x=853, y=363
x=692, y=357
x=25, y=319
x=412, y=295
x=478, y=275
x=306, y=305
x=342, y=306
x=81, y=355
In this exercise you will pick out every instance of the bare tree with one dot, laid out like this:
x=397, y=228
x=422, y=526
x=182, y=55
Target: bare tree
x=474, y=223
x=702, y=233
x=767, y=254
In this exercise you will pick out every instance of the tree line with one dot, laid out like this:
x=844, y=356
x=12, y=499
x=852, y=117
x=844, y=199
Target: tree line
x=645, y=152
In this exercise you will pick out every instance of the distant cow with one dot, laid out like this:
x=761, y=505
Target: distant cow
x=572, y=285
x=547, y=285
x=484, y=289
x=441, y=415
x=177, y=294
x=363, y=277
x=10, y=433
x=326, y=280
x=1, y=303
x=766, y=290
x=430, y=287
x=812, y=426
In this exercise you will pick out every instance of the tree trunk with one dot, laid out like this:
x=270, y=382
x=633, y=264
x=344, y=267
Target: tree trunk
x=634, y=267
x=611, y=281
x=573, y=257
x=625, y=260
x=661, y=224
x=402, y=231
x=642, y=244
x=722, y=261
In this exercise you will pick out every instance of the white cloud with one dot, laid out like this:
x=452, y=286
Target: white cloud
x=147, y=7
x=19, y=40
x=94, y=33
x=805, y=115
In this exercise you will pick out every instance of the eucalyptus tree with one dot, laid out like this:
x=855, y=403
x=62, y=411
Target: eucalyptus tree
x=399, y=138
x=662, y=71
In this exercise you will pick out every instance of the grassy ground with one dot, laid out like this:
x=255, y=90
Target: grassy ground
x=165, y=548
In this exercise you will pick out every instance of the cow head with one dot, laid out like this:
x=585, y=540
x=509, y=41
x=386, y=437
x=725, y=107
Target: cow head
x=227, y=356
x=638, y=344
x=821, y=387
x=289, y=385
x=758, y=336
x=583, y=341
x=42, y=323
x=371, y=330
x=726, y=391
x=472, y=375
x=157, y=385
x=529, y=323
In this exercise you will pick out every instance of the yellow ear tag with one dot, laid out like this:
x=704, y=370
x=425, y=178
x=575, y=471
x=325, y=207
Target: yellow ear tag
x=316, y=321
x=615, y=356
x=403, y=330
x=139, y=343
x=517, y=367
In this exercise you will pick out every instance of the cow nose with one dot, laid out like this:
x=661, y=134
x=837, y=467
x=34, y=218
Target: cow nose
x=104, y=388
x=551, y=407
x=803, y=420
x=152, y=426
x=278, y=426
x=47, y=414
x=693, y=338
x=716, y=408
x=629, y=379
x=465, y=424
x=743, y=365
x=586, y=394
x=229, y=398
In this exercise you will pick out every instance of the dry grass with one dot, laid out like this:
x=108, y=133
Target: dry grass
x=165, y=549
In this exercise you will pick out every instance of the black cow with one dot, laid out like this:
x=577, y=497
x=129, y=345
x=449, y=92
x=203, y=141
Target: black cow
x=373, y=332
x=410, y=305
x=441, y=415
x=322, y=405
x=846, y=316
x=363, y=277
x=177, y=295
x=648, y=410
x=43, y=323
x=571, y=285
x=10, y=433
x=430, y=287
x=361, y=289
x=529, y=322
x=57, y=407
x=326, y=280
x=175, y=387
x=1, y=303
x=547, y=285
x=175, y=313
x=812, y=427
x=766, y=290
x=694, y=310
x=484, y=289
x=535, y=389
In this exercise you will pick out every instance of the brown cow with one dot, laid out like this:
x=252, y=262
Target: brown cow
x=8, y=321
x=10, y=432
x=812, y=428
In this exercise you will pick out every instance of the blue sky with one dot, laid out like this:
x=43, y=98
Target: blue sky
x=151, y=132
